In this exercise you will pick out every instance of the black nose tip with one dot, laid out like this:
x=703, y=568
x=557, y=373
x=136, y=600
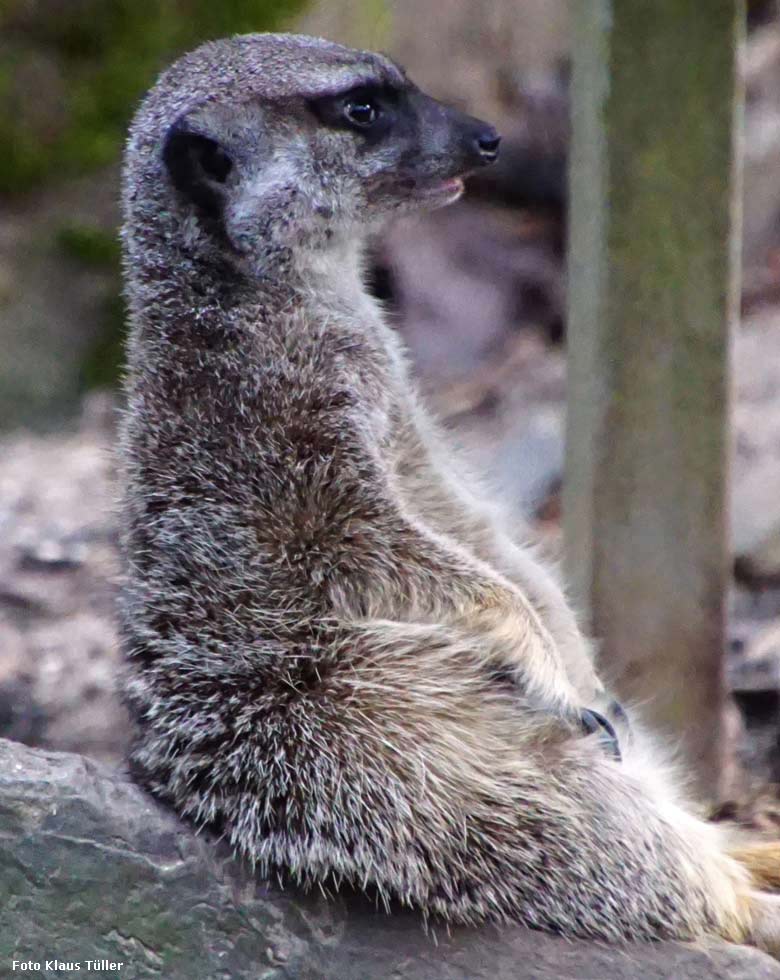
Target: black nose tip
x=487, y=145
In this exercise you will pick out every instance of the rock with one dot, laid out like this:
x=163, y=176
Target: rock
x=760, y=565
x=58, y=569
x=755, y=513
x=761, y=197
x=753, y=671
x=755, y=668
x=93, y=869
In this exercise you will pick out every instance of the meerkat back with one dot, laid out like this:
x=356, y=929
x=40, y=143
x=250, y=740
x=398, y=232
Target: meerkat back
x=332, y=653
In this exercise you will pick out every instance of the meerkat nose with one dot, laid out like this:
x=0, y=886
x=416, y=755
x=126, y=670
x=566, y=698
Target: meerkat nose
x=487, y=145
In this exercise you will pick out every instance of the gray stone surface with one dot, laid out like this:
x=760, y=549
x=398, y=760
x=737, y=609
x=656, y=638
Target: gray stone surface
x=759, y=566
x=756, y=668
x=91, y=868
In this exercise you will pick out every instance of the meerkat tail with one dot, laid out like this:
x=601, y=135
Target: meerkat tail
x=762, y=861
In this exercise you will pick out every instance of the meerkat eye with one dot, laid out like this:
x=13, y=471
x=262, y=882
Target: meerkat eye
x=367, y=109
x=362, y=112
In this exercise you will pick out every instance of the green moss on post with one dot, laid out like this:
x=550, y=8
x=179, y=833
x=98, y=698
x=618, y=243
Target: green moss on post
x=652, y=289
x=72, y=72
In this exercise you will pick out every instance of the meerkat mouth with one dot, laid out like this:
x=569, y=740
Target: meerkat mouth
x=444, y=191
x=453, y=186
x=430, y=191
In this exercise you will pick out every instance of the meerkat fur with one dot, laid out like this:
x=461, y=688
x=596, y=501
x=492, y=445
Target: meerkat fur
x=335, y=653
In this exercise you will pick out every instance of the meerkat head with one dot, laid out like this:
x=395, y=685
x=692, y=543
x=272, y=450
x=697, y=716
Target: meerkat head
x=266, y=142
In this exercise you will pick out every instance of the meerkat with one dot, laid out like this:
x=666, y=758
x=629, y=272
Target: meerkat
x=335, y=653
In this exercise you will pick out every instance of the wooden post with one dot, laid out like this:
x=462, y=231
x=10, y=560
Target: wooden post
x=653, y=285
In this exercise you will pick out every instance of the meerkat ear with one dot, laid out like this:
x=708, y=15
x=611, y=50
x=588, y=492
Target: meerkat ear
x=198, y=167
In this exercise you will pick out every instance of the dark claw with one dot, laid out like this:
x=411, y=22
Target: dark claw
x=617, y=712
x=595, y=724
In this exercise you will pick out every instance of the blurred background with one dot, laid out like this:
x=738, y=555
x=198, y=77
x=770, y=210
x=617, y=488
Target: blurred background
x=477, y=290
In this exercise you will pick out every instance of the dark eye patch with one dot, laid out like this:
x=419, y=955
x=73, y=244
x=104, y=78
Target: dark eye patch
x=367, y=109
